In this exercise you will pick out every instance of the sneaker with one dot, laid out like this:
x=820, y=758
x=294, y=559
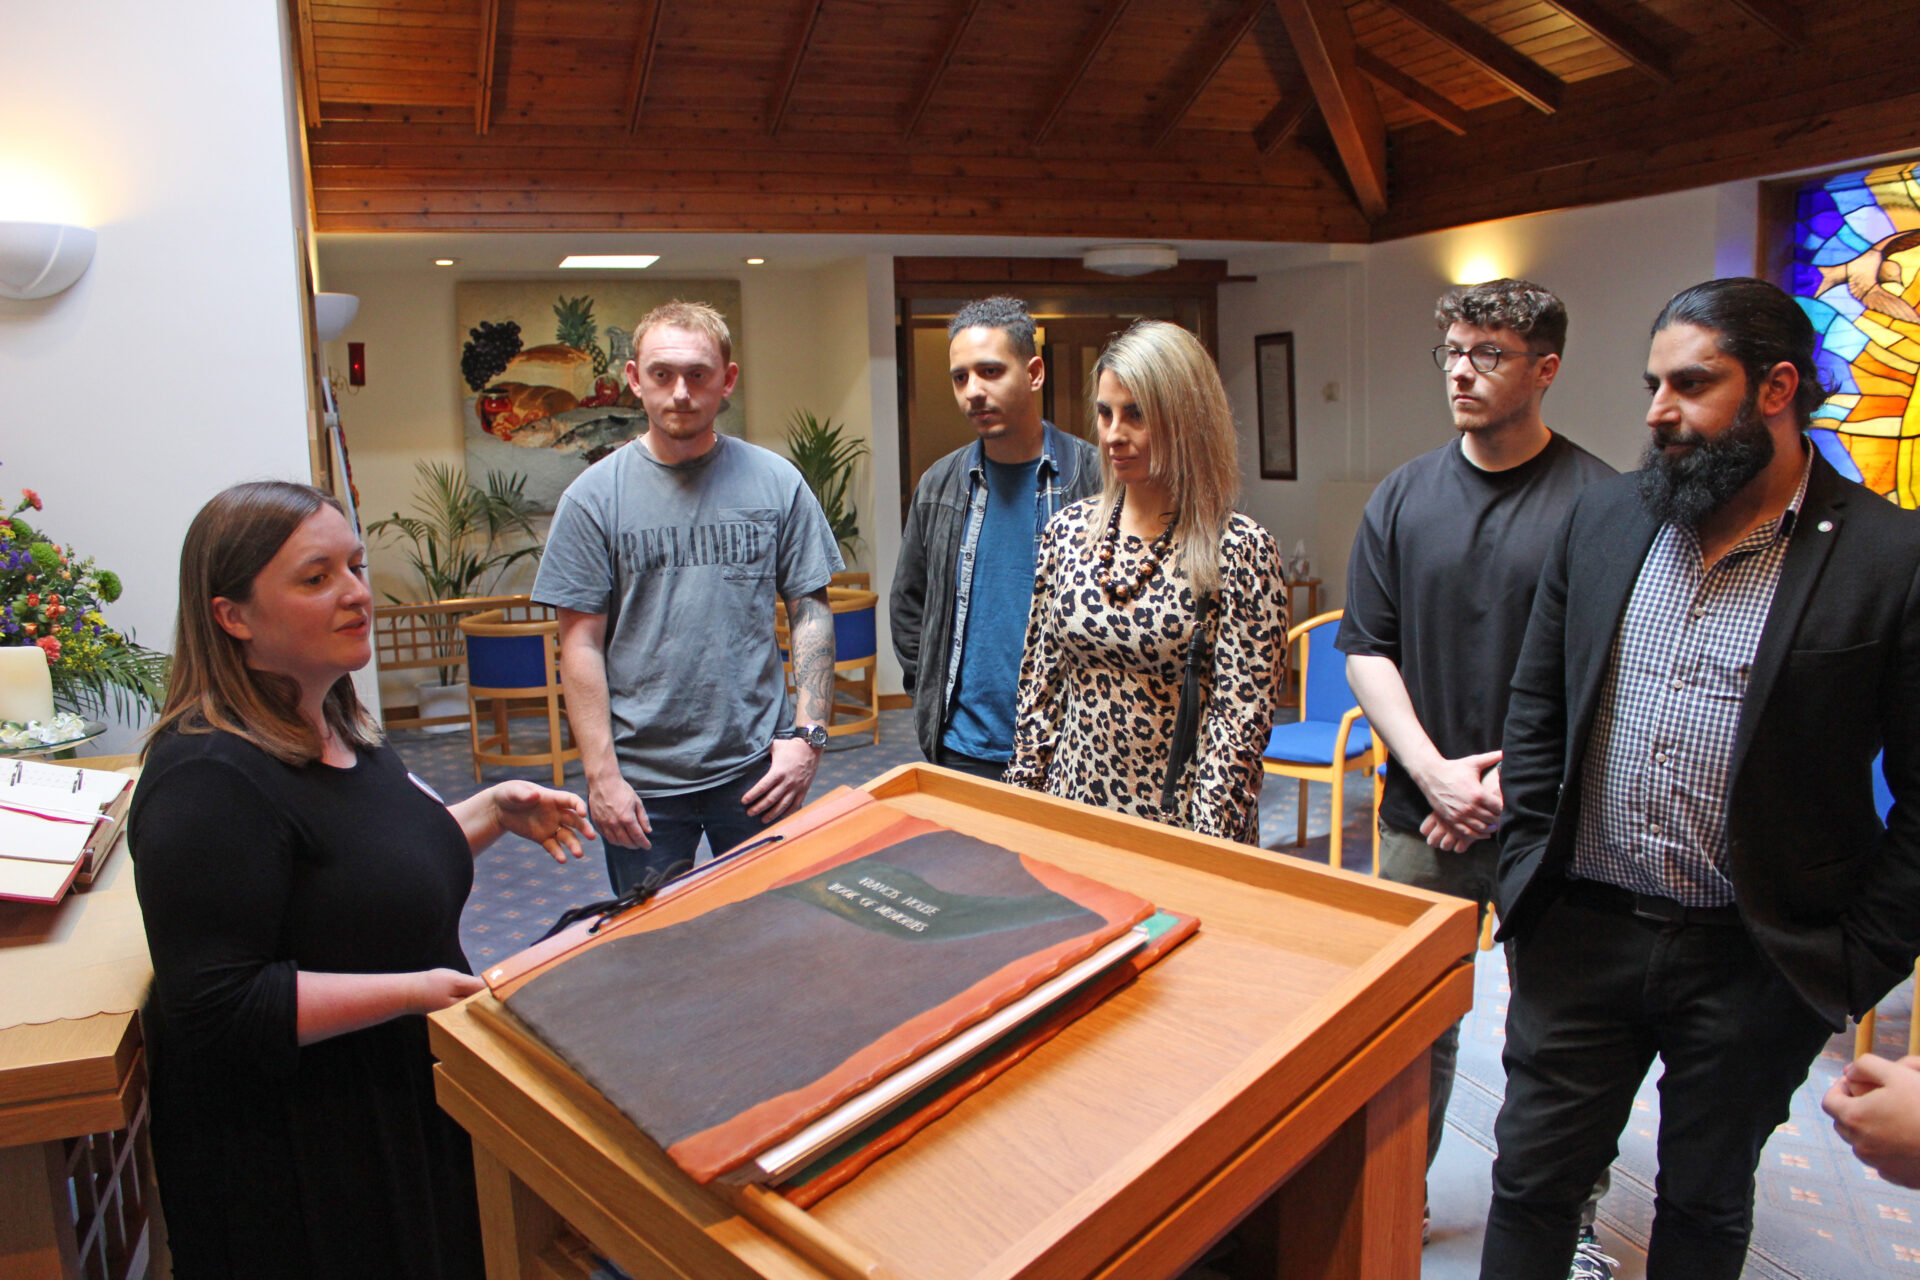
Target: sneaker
x=1589, y=1263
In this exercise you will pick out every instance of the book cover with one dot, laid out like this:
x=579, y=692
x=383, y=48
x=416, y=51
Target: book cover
x=720, y=1026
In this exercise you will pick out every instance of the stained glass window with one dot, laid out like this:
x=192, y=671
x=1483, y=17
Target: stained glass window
x=1856, y=273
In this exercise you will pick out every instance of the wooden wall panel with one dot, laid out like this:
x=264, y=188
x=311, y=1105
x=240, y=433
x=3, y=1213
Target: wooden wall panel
x=392, y=129
x=1763, y=112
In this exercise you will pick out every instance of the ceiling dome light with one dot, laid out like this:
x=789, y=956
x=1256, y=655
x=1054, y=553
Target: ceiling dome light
x=1130, y=259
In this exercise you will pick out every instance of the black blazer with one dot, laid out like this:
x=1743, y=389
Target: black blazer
x=1827, y=893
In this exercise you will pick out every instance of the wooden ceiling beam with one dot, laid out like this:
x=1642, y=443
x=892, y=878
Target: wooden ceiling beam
x=956, y=32
x=1522, y=76
x=1283, y=121
x=1648, y=58
x=1778, y=17
x=489, y=51
x=1228, y=40
x=1323, y=40
x=1441, y=110
x=643, y=47
x=1090, y=50
x=783, y=96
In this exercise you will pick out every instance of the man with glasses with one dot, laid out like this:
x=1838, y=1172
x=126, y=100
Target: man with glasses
x=1438, y=591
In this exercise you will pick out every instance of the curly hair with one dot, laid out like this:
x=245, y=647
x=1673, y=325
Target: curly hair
x=1520, y=305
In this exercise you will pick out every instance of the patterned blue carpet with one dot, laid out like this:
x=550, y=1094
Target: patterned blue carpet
x=1819, y=1213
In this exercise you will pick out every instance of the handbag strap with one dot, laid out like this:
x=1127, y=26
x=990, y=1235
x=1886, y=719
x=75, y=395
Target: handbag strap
x=1186, y=722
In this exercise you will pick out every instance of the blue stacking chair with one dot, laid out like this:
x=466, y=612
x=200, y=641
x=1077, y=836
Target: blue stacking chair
x=1331, y=739
x=515, y=666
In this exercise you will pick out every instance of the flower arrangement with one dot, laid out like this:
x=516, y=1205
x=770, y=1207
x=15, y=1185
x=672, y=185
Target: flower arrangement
x=51, y=596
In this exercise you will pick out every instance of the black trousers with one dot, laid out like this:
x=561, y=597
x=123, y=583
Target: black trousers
x=1597, y=993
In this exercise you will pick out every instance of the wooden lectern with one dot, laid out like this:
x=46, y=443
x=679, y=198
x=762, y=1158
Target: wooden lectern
x=1272, y=1072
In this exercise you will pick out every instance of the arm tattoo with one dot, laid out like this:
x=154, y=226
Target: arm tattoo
x=811, y=644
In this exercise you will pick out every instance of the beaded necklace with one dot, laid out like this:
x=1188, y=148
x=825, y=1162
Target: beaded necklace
x=1110, y=543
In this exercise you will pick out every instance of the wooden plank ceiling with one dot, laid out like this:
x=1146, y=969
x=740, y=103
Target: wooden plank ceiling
x=1315, y=120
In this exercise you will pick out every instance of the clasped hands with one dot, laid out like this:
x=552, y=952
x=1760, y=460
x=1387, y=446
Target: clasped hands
x=1466, y=800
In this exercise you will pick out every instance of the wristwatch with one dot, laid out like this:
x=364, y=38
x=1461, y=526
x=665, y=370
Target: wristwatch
x=813, y=735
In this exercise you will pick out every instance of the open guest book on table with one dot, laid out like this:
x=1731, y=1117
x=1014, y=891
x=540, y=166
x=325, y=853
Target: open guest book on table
x=788, y=1014
x=57, y=823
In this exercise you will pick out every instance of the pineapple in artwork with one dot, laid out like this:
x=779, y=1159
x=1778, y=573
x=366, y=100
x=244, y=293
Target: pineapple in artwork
x=576, y=329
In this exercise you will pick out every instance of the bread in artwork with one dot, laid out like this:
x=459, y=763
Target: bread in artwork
x=555, y=365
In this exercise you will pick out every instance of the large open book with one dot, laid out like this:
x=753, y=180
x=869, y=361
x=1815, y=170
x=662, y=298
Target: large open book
x=867, y=964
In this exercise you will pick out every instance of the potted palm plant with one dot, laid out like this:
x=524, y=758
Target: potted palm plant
x=825, y=456
x=458, y=544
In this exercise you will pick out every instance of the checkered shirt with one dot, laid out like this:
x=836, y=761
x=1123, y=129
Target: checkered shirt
x=1663, y=733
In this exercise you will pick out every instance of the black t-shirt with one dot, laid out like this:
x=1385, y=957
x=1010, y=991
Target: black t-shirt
x=1441, y=581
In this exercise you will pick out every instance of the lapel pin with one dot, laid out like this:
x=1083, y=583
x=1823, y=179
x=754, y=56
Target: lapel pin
x=1825, y=526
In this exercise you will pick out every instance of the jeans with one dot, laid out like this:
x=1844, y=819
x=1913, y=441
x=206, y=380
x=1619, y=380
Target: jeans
x=1407, y=858
x=1598, y=993
x=678, y=822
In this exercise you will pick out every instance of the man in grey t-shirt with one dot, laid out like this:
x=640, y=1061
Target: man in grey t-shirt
x=663, y=561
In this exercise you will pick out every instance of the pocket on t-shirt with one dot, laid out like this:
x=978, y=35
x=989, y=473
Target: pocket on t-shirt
x=746, y=541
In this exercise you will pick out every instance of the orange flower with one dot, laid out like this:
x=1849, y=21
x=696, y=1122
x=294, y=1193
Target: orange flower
x=33, y=600
x=50, y=647
x=32, y=498
x=29, y=627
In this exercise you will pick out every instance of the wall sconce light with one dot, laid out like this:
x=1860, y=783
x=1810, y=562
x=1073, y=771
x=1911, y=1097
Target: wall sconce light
x=332, y=313
x=1130, y=259
x=39, y=259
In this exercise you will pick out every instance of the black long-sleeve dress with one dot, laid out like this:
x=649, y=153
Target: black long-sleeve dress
x=274, y=1159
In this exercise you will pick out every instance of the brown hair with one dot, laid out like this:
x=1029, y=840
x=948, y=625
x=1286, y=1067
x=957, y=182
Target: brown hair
x=1194, y=451
x=232, y=539
x=695, y=317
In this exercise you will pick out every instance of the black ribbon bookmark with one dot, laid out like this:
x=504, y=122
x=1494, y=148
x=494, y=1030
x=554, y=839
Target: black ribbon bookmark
x=646, y=887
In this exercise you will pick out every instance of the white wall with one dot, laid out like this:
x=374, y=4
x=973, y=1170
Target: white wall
x=175, y=366
x=1366, y=326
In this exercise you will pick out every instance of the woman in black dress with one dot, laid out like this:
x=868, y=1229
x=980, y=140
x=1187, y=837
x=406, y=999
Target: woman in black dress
x=302, y=894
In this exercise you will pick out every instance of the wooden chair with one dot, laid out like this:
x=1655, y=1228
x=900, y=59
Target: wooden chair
x=1863, y=1032
x=856, y=658
x=514, y=665
x=421, y=637
x=1331, y=739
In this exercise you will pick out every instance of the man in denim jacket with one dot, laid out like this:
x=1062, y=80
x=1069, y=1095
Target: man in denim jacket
x=965, y=576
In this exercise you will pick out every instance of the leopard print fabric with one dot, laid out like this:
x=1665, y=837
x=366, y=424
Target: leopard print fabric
x=1100, y=684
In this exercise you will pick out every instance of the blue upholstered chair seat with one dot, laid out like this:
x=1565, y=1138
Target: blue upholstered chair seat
x=1312, y=741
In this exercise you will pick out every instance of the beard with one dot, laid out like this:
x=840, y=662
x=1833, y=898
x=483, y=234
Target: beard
x=1685, y=490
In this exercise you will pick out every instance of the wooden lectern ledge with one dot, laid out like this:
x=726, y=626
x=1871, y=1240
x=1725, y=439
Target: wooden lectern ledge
x=1271, y=1069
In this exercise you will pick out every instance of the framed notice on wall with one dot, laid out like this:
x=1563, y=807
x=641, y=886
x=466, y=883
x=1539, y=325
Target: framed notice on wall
x=1273, y=372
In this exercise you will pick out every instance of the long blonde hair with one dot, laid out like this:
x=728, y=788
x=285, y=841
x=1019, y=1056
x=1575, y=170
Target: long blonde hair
x=211, y=686
x=1194, y=451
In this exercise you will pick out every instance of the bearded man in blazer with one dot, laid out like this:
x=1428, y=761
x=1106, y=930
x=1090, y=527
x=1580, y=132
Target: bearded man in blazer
x=1691, y=866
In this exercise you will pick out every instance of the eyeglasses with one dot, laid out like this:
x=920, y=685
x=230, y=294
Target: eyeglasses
x=1485, y=357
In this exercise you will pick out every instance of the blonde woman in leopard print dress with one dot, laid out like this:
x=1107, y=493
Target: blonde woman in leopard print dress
x=1114, y=604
